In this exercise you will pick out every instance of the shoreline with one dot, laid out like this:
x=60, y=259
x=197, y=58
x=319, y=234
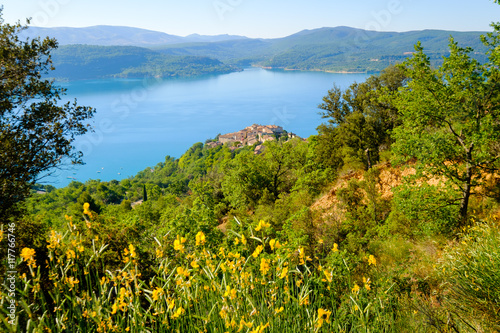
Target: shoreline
x=315, y=70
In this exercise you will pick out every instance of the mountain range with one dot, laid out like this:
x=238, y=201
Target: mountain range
x=127, y=51
x=106, y=35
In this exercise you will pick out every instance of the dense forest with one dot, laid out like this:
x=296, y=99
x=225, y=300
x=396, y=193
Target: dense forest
x=386, y=220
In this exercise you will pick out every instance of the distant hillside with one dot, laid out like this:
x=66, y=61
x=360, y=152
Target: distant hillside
x=340, y=49
x=116, y=35
x=331, y=49
x=76, y=62
x=349, y=49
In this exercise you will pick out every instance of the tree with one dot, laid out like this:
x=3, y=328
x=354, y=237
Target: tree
x=359, y=123
x=36, y=133
x=451, y=119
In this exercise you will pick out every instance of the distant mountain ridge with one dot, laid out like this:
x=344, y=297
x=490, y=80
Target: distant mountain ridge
x=105, y=35
x=339, y=49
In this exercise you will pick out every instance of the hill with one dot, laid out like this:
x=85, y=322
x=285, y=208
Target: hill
x=78, y=62
x=332, y=49
x=339, y=49
x=117, y=35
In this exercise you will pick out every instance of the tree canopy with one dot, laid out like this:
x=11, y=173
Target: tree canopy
x=451, y=118
x=36, y=133
x=359, y=123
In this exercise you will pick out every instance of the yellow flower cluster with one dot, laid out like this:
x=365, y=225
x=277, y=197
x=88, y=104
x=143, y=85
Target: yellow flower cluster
x=121, y=303
x=264, y=265
x=257, y=251
x=274, y=244
x=261, y=225
x=28, y=255
x=200, y=238
x=179, y=244
x=157, y=293
x=323, y=316
x=129, y=253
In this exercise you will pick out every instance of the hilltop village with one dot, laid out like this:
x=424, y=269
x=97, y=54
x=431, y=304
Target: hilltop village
x=249, y=136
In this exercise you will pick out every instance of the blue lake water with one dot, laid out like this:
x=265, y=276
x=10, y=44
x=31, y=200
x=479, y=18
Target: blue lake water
x=139, y=122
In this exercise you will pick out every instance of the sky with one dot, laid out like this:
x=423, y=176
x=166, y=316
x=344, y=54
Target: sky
x=257, y=18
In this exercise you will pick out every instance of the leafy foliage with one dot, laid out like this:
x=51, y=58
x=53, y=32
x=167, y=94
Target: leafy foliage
x=359, y=123
x=450, y=120
x=35, y=132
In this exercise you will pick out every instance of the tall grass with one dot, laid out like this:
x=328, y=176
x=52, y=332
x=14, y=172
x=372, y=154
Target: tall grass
x=471, y=272
x=251, y=284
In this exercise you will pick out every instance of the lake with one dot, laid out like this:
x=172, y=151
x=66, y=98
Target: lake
x=139, y=122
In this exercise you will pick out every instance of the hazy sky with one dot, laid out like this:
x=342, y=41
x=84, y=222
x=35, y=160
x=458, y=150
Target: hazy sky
x=257, y=18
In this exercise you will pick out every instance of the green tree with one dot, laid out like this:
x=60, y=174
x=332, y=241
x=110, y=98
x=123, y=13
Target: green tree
x=36, y=134
x=359, y=122
x=451, y=119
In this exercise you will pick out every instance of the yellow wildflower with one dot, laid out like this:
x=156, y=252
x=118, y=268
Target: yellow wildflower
x=157, y=293
x=70, y=254
x=86, y=210
x=302, y=256
x=261, y=225
x=323, y=316
x=171, y=303
x=182, y=271
x=274, y=244
x=178, y=243
x=335, y=247
x=200, y=238
x=243, y=240
x=372, y=260
x=367, y=283
x=264, y=265
x=71, y=281
x=194, y=264
x=244, y=324
x=276, y=311
x=114, y=308
x=328, y=275
x=260, y=328
x=179, y=312
x=236, y=241
x=257, y=251
x=356, y=288
x=284, y=272
x=132, y=250
x=54, y=240
x=29, y=255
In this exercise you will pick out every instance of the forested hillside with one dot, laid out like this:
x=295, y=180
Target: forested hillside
x=340, y=49
x=78, y=62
